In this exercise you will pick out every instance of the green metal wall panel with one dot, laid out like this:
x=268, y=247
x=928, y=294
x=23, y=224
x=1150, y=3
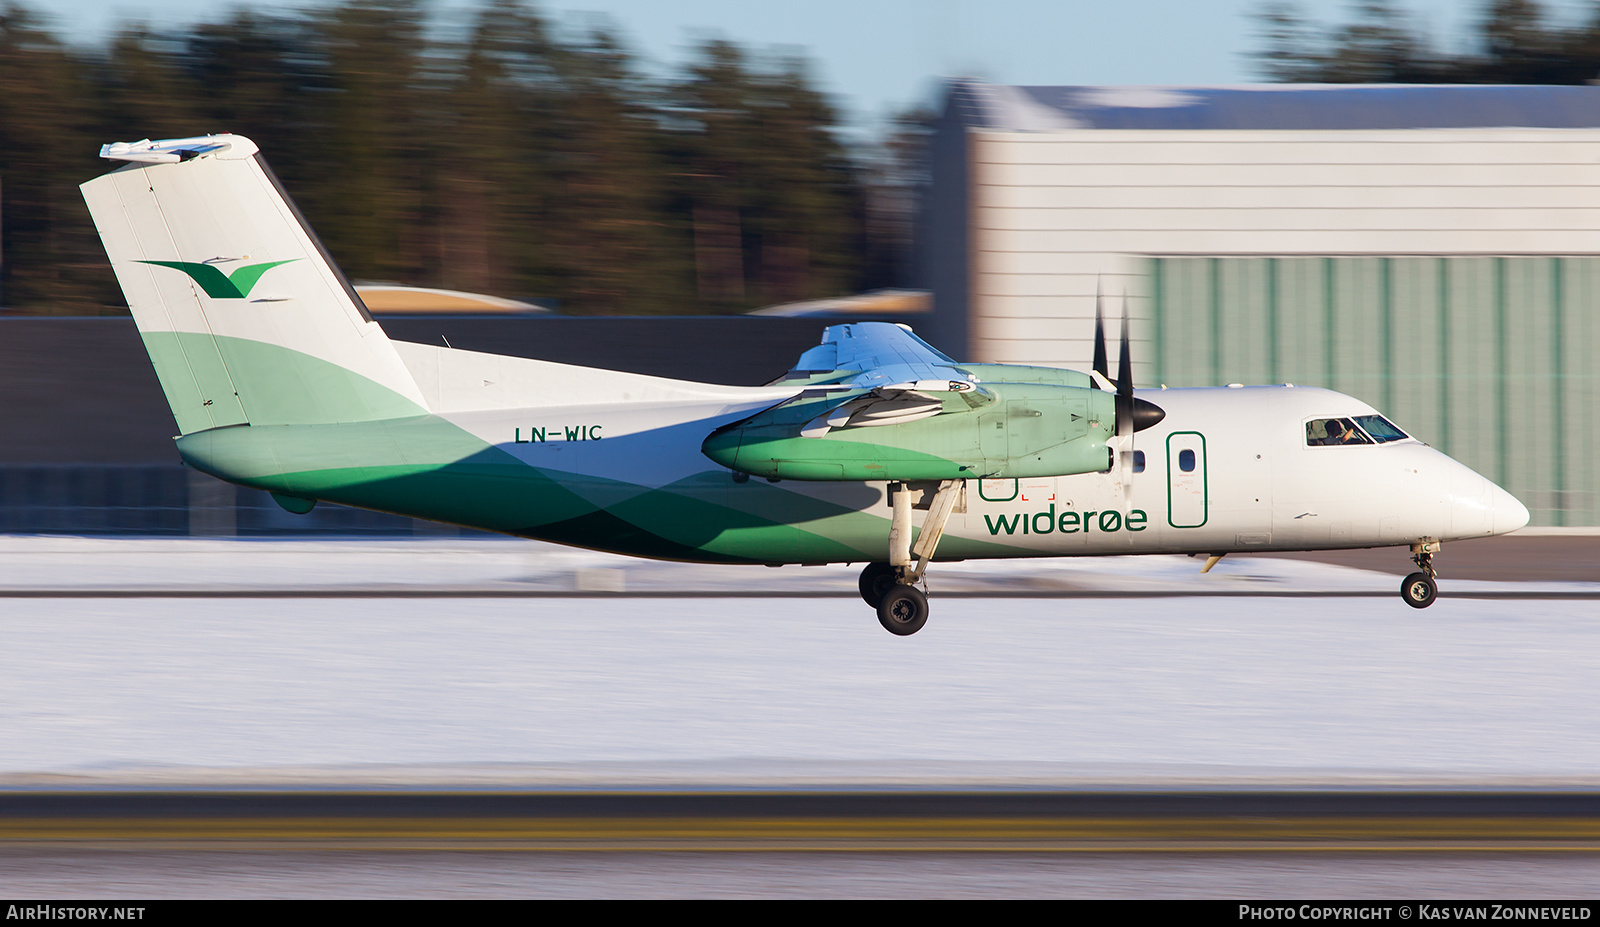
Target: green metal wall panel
x=1302, y=348
x=1414, y=352
x=1578, y=464
x=1491, y=359
x=1242, y=349
x=1529, y=309
x=1472, y=383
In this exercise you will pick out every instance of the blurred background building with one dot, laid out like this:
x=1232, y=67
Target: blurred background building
x=1421, y=232
x=1431, y=250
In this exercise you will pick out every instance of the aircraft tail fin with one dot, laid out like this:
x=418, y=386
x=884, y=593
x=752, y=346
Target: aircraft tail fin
x=246, y=317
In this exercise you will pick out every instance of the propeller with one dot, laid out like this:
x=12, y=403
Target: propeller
x=1100, y=365
x=1132, y=414
x=1125, y=414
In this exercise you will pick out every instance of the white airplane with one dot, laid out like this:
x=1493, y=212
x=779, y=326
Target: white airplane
x=280, y=380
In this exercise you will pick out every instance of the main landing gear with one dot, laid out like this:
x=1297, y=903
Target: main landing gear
x=891, y=587
x=876, y=581
x=1419, y=589
x=902, y=608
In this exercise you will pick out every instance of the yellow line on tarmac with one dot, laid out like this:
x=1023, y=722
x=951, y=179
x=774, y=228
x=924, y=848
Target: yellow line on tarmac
x=1223, y=834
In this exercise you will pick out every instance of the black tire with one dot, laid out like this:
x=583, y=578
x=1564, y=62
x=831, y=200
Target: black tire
x=876, y=581
x=904, y=610
x=1419, y=590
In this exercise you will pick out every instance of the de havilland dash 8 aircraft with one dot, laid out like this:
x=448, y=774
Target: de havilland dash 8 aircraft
x=875, y=449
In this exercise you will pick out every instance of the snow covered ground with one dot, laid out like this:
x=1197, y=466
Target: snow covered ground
x=772, y=690
x=513, y=566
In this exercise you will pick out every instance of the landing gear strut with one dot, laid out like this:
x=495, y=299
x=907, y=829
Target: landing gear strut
x=891, y=587
x=1419, y=589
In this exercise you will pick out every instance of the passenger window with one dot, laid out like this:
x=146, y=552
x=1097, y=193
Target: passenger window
x=1138, y=461
x=1334, y=432
x=1186, y=461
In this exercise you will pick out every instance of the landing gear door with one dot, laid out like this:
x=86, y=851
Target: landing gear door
x=1187, y=499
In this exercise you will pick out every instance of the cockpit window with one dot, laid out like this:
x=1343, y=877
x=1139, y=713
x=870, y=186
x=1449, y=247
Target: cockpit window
x=1334, y=432
x=1381, y=429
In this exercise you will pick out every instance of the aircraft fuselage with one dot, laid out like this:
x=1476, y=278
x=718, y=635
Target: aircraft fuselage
x=1227, y=469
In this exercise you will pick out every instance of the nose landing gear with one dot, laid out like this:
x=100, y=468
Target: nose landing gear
x=1419, y=589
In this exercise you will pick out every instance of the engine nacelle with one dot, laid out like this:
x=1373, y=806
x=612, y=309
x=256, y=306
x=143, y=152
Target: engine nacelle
x=1002, y=430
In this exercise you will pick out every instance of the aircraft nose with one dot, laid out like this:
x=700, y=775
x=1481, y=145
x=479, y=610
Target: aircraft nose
x=1509, y=513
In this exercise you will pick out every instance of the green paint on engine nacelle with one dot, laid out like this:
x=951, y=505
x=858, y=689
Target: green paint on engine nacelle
x=1022, y=430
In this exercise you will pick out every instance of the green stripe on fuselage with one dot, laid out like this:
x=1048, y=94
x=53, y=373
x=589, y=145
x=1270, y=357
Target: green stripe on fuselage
x=424, y=466
x=427, y=467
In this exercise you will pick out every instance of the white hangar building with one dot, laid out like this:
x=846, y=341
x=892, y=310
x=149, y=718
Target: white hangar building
x=1432, y=250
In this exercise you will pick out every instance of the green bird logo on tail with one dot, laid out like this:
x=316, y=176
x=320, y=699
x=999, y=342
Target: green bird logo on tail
x=236, y=285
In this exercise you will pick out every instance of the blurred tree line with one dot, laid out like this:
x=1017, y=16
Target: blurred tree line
x=1516, y=42
x=504, y=160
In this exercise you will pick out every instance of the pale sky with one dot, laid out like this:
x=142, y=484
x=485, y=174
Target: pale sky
x=879, y=56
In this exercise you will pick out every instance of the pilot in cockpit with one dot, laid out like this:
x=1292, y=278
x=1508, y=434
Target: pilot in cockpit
x=1333, y=432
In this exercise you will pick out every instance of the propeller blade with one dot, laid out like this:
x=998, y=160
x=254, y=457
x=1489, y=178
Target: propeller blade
x=1125, y=378
x=1132, y=414
x=1125, y=401
x=1100, y=365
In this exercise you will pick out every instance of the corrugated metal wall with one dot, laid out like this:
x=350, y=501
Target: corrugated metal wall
x=1054, y=215
x=1491, y=359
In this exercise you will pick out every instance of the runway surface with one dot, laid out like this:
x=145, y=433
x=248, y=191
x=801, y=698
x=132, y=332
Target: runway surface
x=36, y=874
x=1546, y=565
x=1135, y=820
x=975, y=844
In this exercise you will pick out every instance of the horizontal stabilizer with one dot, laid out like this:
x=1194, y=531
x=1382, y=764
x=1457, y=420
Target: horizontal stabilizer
x=173, y=150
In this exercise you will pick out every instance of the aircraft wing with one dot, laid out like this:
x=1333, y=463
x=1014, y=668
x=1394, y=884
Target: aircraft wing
x=882, y=355
x=875, y=402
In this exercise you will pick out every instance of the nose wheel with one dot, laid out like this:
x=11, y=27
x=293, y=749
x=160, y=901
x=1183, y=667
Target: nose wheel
x=1419, y=589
